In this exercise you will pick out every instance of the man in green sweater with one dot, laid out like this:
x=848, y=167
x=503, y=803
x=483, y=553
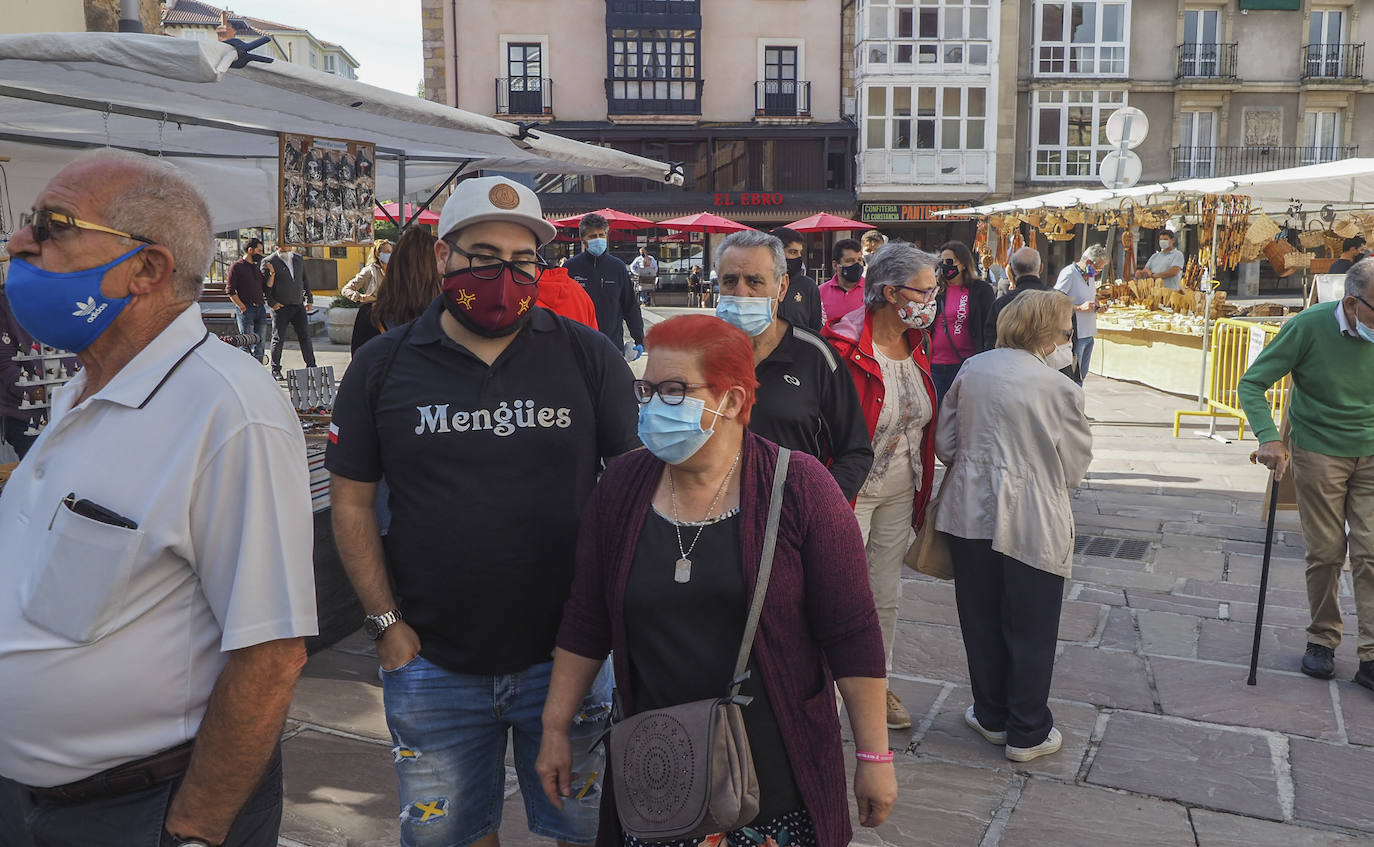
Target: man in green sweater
x=1329, y=349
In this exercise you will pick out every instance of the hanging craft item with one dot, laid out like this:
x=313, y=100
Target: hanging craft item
x=1262, y=229
x=1347, y=227
x=1128, y=259
x=1277, y=253
x=1312, y=238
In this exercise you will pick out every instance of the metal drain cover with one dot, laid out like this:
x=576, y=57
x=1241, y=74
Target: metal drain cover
x=1106, y=547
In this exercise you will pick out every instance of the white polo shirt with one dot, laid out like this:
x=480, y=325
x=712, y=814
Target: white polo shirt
x=112, y=638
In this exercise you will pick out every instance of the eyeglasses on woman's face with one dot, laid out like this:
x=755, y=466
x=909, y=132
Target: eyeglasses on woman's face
x=671, y=391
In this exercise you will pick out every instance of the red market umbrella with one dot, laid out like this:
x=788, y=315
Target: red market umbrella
x=826, y=222
x=617, y=220
x=702, y=222
x=392, y=209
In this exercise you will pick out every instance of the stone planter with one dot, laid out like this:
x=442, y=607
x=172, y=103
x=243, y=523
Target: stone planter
x=340, y=321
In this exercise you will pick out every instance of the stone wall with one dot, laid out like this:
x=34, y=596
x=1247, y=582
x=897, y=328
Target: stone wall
x=435, y=50
x=103, y=15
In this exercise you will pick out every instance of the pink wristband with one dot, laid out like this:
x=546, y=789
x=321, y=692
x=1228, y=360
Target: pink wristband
x=874, y=757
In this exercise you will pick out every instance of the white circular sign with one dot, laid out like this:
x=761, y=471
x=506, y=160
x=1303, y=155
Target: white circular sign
x=1120, y=169
x=1127, y=124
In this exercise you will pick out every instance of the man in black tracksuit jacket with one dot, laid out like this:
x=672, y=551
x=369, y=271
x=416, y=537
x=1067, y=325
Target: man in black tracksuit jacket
x=607, y=281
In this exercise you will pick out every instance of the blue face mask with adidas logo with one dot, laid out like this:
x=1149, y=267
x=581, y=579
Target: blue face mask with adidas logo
x=63, y=310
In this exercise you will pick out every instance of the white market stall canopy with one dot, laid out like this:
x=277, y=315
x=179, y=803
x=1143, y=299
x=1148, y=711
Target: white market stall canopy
x=63, y=93
x=1343, y=184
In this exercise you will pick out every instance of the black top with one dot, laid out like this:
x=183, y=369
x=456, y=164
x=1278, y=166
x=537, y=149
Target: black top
x=806, y=400
x=363, y=328
x=981, y=296
x=801, y=306
x=1340, y=266
x=684, y=640
x=289, y=286
x=489, y=468
x=246, y=281
x=1025, y=283
x=606, y=280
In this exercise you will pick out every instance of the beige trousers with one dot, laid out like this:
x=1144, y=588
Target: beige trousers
x=1335, y=493
x=885, y=519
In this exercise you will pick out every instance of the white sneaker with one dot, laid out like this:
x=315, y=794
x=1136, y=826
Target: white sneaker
x=1051, y=744
x=992, y=737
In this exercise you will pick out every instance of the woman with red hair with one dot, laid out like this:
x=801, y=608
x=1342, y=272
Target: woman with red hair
x=668, y=557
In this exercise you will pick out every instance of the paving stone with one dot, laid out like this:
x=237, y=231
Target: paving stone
x=1119, y=633
x=1116, y=525
x=1284, y=574
x=1357, y=707
x=1233, y=592
x=1210, y=529
x=1160, y=602
x=1218, y=694
x=928, y=602
x=1115, y=577
x=1331, y=784
x=338, y=787
x=1085, y=675
x=1216, y=829
x=930, y=651
x=1078, y=621
x=1281, y=647
x=341, y=691
x=1051, y=813
x=1201, y=766
x=918, y=697
x=1085, y=593
x=1282, y=552
x=937, y=803
x=949, y=738
x=1167, y=634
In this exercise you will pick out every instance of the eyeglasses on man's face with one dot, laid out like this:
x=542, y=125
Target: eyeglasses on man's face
x=46, y=223
x=671, y=391
x=482, y=266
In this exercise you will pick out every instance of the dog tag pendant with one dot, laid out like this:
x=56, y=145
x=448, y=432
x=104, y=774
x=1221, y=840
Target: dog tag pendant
x=683, y=571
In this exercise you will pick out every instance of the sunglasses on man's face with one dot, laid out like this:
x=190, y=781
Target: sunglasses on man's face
x=46, y=223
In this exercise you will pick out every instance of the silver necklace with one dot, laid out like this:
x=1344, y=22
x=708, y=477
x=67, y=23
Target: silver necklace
x=682, y=572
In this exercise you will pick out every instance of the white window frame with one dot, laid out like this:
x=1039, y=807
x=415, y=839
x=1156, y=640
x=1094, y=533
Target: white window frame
x=1102, y=103
x=506, y=39
x=1314, y=149
x=1200, y=160
x=938, y=119
x=765, y=43
x=1324, y=58
x=950, y=55
x=1197, y=64
x=1066, y=61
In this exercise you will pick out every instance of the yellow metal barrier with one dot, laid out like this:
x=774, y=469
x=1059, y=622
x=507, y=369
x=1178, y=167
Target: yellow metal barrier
x=1235, y=344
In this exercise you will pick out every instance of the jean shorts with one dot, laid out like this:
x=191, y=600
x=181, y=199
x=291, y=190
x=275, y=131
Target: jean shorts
x=450, y=731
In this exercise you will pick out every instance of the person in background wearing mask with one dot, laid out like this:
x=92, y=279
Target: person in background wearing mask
x=843, y=293
x=410, y=282
x=485, y=412
x=964, y=303
x=1014, y=439
x=288, y=294
x=1329, y=350
x=644, y=269
x=246, y=289
x=362, y=288
x=806, y=400
x=1352, y=250
x=802, y=305
x=607, y=281
x=1079, y=281
x=1166, y=265
x=885, y=346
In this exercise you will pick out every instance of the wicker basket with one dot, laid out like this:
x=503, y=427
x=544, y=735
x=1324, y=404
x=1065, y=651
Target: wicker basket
x=1312, y=238
x=1299, y=259
x=1262, y=229
x=1277, y=253
x=1347, y=227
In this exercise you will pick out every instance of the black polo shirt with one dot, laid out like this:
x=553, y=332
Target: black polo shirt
x=489, y=468
x=806, y=400
x=801, y=305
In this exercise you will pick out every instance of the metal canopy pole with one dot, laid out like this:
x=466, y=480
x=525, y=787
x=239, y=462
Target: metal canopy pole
x=1207, y=324
x=401, y=184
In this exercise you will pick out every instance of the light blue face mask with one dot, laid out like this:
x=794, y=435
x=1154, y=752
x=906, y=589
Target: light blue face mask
x=674, y=433
x=63, y=310
x=751, y=314
x=1367, y=333
x=384, y=257
x=596, y=246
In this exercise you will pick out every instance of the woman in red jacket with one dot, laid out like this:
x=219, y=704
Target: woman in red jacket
x=886, y=347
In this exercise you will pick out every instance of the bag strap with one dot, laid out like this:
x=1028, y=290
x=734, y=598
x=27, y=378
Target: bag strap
x=770, y=543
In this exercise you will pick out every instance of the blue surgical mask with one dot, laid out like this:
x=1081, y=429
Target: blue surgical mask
x=384, y=257
x=63, y=310
x=674, y=433
x=596, y=246
x=752, y=314
x=1367, y=333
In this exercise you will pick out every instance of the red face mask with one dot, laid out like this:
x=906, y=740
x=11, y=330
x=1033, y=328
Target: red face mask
x=489, y=307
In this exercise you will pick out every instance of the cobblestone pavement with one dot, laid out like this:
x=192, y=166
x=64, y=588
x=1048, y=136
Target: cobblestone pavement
x=1164, y=743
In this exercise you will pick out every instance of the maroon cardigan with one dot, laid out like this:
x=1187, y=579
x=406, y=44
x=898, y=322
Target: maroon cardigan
x=818, y=621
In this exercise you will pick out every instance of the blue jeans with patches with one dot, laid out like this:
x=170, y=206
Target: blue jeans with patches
x=450, y=734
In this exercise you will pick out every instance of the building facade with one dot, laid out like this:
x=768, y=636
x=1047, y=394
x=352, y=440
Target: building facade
x=297, y=45
x=929, y=101
x=745, y=94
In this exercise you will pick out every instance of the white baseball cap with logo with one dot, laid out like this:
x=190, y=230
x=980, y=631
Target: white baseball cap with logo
x=495, y=198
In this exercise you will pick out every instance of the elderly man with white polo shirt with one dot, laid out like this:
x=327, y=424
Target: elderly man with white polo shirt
x=155, y=543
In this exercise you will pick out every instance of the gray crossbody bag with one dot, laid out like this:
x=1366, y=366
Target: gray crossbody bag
x=687, y=771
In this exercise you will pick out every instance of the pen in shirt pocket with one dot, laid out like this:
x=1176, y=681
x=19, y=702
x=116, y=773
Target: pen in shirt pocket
x=96, y=512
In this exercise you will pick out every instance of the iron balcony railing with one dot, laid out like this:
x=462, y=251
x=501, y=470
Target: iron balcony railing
x=1207, y=61
x=782, y=98
x=1333, y=61
x=654, y=7
x=1200, y=162
x=524, y=95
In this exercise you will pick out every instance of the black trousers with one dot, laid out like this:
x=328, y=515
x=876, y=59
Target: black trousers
x=1009, y=614
x=294, y=317
x=130, y=820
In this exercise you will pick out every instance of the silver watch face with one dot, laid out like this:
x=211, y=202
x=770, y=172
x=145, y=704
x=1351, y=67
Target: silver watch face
x=372, y=628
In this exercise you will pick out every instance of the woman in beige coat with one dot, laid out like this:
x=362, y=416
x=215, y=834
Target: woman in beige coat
x=362, y=288
x=1014, y=436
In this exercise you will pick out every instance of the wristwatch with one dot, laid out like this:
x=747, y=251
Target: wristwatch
x=376, y=625
x=170, y=839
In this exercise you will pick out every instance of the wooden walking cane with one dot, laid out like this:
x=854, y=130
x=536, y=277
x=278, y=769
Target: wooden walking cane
x=1264, y=576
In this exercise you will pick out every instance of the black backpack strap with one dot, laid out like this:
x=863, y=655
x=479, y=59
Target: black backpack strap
x=374, y=388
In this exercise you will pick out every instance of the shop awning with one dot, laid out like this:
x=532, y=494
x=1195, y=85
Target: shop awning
x=61, y=93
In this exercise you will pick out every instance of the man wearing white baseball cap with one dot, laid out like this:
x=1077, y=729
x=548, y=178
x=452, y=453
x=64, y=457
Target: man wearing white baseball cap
x=490, y=418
